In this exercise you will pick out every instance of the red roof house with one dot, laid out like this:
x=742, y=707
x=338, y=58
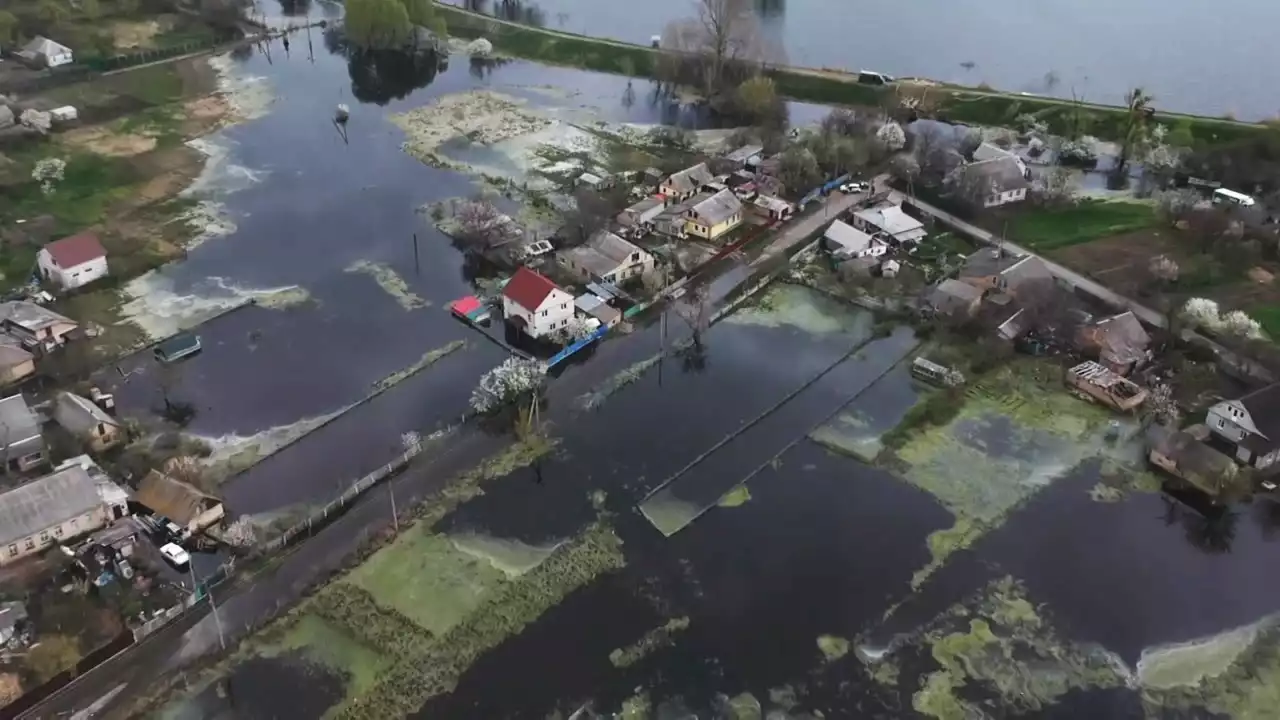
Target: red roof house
x=73, y=261
x=535, y=304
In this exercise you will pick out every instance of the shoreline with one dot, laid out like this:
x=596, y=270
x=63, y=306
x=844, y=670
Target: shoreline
x=955, y=103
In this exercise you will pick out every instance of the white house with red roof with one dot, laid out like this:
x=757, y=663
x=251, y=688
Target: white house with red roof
x=534, y=304
x=73, y=262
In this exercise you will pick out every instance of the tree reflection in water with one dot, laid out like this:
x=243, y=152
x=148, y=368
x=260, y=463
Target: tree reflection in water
x=380, y=76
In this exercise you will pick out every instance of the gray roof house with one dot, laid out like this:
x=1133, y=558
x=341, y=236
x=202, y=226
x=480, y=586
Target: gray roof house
x=643, y=212
x=954, y=298
x=846, y=241
x=988, y=151
x=889, y=219
x=42, y=52
x=86, y=421
x=686, y=182
x=37, y=327
x=20, y=438
x=1250, y=424
x=991, y=269
x=50, y=509
x=1120, y=342
x=994, y=182
x=713, y=215
x=606, y=257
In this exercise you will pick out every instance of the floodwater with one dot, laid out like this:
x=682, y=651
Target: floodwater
x=306, y=207
x=1222, y=63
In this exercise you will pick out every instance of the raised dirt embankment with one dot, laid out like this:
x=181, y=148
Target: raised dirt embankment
x=945, y=102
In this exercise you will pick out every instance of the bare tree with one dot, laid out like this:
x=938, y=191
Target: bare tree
x=798, y=168
x=724, y=35
x=593, y=211
x=695, y=309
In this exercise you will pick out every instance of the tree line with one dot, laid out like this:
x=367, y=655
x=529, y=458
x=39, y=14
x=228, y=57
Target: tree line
x=389, y=24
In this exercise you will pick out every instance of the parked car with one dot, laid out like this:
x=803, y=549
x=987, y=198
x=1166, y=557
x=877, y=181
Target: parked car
x=175, y=555
x=855, y=187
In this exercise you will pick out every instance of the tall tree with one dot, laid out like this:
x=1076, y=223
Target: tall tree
x=51, y=12
x=420, y=12
x=724, y=33
x=377, y=24
x=1138, y=104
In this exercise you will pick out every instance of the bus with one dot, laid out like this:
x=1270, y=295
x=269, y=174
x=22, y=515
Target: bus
x=1223, y=195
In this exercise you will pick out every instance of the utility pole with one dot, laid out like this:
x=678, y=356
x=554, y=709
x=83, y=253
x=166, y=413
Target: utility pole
x=415, y=254
x=195, y=587
x=395, y=517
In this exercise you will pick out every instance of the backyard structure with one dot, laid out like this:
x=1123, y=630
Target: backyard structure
x=54, y=509
x=772, y=208
x=535, y=305
x=1250, y=426
x=1184, y=455
x=1106, y=386
x=890, y=220
x=714, y=215
x=73, y=262
x=605, y=257
x=182, y=345
x=592, y=306
x=87, y=422
x=187, y=506
x=20, y=437
x=993, y=269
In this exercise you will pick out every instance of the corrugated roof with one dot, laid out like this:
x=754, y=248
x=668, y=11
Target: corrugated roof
x=528, y=289
x=1004, y=173
x=848, y=237
x=76, y=250
x=41, y=45
x=17, y=423
x=48, y=501
x=891, y=219
x=172, y=498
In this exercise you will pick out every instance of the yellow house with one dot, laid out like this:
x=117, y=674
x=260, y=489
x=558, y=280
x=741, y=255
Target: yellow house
x=714, y=215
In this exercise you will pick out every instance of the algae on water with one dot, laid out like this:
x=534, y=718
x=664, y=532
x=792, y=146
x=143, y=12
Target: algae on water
x=391, y=282
x=833, y=647
x=655, y=639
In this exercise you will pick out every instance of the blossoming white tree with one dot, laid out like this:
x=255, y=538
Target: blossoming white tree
x=577, y=329
x=1201, y=312
x=892, y=136
x=49, y=172
x=1239, y=324
x=506, y=383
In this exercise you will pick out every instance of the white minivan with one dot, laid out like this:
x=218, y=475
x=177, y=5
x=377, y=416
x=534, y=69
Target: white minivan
x=1222, y=196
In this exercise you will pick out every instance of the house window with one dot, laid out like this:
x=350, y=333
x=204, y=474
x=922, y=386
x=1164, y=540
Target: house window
x=44, y=537
x=544, y=313
x=1221, y=424
x=57, y=532
x=13, y=550
x=30, y=544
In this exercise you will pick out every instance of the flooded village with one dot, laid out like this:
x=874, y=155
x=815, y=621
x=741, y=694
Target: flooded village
x=358, y=370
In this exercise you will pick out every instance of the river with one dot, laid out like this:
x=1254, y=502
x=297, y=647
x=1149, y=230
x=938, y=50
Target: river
x=1193, y=57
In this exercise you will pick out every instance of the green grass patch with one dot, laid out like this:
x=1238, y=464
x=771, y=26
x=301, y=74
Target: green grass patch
x=91, y=182
x=426, y=578
x=1090, y=220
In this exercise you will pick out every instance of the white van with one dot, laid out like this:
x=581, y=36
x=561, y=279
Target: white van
x=1223, y=195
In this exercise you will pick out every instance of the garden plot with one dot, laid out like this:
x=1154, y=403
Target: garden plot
x=857, y=430
x=1016, y=433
